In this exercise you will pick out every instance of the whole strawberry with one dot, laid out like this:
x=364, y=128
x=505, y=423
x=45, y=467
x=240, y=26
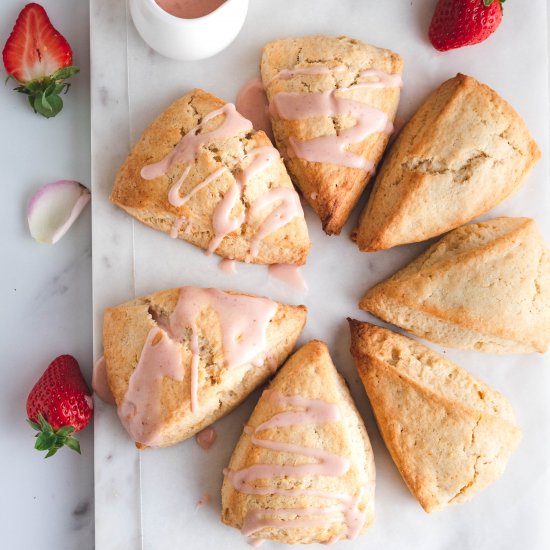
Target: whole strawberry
x=58, y=405
x=458, y=23
x=40, y=59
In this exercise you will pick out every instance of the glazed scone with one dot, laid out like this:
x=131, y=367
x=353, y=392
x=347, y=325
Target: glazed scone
x=484, y=286
x=449, y=434
x=303, y=470
x=179, y=359
x=201, y=173
x=332, y=104
x=462, y=153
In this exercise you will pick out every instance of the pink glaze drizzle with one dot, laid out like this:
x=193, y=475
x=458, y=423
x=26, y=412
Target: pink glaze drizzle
x=289, y=207
x=333, y=148
x=311, y=411
x=187, y=151
x=243, y=322
x=100, y=383
x=140, y=409
x=289, y=274
x=222, y=222
x=206, y=438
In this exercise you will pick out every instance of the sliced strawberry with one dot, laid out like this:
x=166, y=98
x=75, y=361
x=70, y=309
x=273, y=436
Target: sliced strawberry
x=40, y=59
x=58, y=405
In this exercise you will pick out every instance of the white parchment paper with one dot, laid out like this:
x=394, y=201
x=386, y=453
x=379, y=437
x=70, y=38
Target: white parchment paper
x=149, y=500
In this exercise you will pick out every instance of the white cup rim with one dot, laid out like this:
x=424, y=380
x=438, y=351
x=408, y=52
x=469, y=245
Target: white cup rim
x=180, y=20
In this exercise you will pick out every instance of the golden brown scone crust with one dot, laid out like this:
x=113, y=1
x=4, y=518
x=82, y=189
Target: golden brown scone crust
x=220, y=389
x=462, y=153
x=148, y=200
x=484, y=286
x=331, y=190
x=449, y=434
x=311, y=374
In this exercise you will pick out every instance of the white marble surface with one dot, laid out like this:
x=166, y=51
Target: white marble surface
x=148, y=500
x=46, y=302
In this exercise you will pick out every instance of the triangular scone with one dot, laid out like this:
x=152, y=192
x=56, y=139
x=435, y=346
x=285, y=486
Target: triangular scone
x=462, y=153
x=484, y=286
x=180, y=359
x=332, y=104
x=449, y=434
x=201, y=173
x=303, y=470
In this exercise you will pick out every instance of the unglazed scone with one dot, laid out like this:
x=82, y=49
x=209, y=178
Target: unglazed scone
x=332, y=104
x=462, y=153
x=449, y=434
x=303, y=470
x=201, y=173
x=484, y=286
x=179, y=359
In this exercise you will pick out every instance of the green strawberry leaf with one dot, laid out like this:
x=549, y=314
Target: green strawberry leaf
x=33, y=425
x=44, y=93
x=65, y=72
x=48, y=439
x=73, y=444
x=44, y=441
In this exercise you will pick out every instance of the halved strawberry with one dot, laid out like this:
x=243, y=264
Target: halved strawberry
x=40, y=59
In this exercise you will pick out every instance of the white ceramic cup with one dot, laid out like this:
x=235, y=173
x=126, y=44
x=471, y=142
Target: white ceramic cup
x=188, y=39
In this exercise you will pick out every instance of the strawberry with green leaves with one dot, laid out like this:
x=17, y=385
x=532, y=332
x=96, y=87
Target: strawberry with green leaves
x=40, y=59
x=458, y=23
x=59, y=404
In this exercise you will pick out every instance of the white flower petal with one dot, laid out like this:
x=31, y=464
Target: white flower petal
x=54, y=208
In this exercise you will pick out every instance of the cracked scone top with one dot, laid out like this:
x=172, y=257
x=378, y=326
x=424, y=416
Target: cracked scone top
x=463, y=152
x=332, y=105
x=180, y=359
x=484, y=286
x=202, y=174
x=449, y=434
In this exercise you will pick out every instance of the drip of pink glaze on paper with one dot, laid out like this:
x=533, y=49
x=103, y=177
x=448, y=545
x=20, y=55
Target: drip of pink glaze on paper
x=255, y=543
x=331, y=148
x=227, y=266
x=100, y=384
x=289, y=207
x=310, y=411
x=189, y=9
x=206, y=438
x=222, y=221
x=290, y=275
x=140, y=410
x=204, y=500
x=252, y=104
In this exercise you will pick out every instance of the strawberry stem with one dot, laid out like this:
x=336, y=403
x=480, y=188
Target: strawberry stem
x=48, y=439
x=44, y=93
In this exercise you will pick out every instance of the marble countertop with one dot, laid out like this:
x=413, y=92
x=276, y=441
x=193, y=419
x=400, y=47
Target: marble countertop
x=47, y=301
